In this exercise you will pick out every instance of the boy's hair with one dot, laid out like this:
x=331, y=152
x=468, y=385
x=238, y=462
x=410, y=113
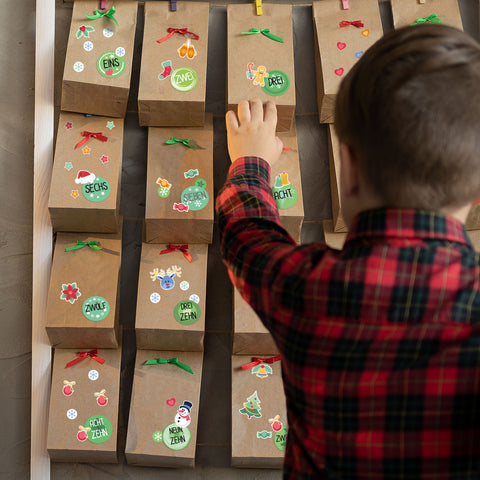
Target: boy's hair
x=410, y=112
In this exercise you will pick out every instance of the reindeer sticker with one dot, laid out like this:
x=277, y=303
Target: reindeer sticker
x=166, y=278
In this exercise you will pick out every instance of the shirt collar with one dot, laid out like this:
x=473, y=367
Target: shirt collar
x=407, y=224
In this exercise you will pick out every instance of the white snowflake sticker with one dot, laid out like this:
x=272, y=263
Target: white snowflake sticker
x=120, y=52
x=184, y=285
x=107, y=32
x=88, y=46
x=72, y=414
x=93, y=375
x=78, y=67
x=194, y=298
x=155, y=297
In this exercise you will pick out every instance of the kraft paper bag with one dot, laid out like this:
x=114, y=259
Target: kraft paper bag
x=180, y=198
x=286, y=184
x=258, y=65
x=83, y=415
x=250, y=337
x=473, y=219
x=174, y=65
x=333, y=239
x=259, y=418
x=338, y=47
x=86, y=176
x=82, y=305
x=163, y=421
x=408, y=12
x=334, y=162
x=171, y=297
x=98, y=63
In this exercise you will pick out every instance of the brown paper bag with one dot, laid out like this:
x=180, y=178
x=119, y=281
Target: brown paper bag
x=173, y=72
x=286, y=184
x=180, y=199
x=98, y=64
x=85, y=187
x=259, y=418
x=339, y=48
x=82, y=306
x=406, y=12
x=250, y=337
x=473, y=219
x=83, y=418
x=248, y=54
x=334, y=162
x=333, y=239
x=171, y=297
x=162, y=427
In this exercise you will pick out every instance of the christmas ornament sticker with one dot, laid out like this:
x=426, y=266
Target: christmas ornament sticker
x=277, y=83
x=70, y=292
x=110, y=65
x=101, y=397
x=284, y=193
x=195, y=197
x=184, y=79
x=96, y=190
x=280, y=439
x=82, y=434
x=67, y=389
x=99, y=429
x=251, y=408
x=95, y=309
x=186, y=312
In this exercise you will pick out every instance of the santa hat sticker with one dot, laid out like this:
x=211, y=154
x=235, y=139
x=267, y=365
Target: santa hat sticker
x=84, y=176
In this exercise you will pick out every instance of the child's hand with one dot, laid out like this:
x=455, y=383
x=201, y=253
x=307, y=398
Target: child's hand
x=253, y=134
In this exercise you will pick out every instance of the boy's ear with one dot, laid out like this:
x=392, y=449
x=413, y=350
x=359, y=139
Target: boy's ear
x=349, y=173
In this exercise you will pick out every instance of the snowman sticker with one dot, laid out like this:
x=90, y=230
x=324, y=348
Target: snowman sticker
x=182, y=418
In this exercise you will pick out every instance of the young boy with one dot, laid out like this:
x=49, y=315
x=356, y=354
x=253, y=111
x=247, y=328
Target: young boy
x=380, y=342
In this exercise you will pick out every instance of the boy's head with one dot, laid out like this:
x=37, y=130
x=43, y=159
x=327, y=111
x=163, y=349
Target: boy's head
x=409, y=111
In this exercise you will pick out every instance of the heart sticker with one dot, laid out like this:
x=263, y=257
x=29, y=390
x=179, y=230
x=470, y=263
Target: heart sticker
x=339, y=72
x=358, y=54
x=109, y=72
x=341, y=45
x=171, y=402
x=366, y=33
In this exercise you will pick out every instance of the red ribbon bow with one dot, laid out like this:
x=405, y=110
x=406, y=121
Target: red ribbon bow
x=182, y=248
x=183, y=31
x=88, y=136
x=83, y=356
x=257, y=361
x=355, y=23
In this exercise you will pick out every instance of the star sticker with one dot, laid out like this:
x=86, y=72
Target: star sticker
x=86, y=151
x=75, y=193
x=104, y=159
x=68, y=125
x=68, y=166
x=110, y=125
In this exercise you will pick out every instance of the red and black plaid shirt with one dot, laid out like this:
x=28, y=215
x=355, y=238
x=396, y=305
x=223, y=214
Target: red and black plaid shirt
x=380, y=342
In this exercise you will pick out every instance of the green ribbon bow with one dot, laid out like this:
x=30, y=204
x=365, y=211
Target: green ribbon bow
x=433, y=18
x=173, y=361
x=99, y=14
x=93, y=244
x=265, y=31
x=184, y=141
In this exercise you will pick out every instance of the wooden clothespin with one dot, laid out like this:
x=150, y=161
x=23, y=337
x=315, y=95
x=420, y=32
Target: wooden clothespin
x=173, y=5
x=258, y=5
x=346, y=6
x=103, y=4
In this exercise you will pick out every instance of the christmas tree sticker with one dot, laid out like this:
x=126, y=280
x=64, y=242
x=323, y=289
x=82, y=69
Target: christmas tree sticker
x=251, y=408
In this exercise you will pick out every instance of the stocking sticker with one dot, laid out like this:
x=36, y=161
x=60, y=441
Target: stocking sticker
x=187, y=312
x=110, y=65
x=100, y=429
x=195, y=197
x=284, y=193
x=70, y=292
x=95, y=309
x=251, y=408
x=184, y=79
x=277, y=83
x=167, y=70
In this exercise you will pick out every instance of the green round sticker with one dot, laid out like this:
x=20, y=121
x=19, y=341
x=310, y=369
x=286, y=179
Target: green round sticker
x=276, y=83
x=184, y=79
x=96, y=191
x=163, y=192
x=284, y=193
x=175, y=437
x=100, y=429
x=157, y=436
x=280, y=439
x=186, y=312
x=196, y=197
x=95, y=308
x=110, y=65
